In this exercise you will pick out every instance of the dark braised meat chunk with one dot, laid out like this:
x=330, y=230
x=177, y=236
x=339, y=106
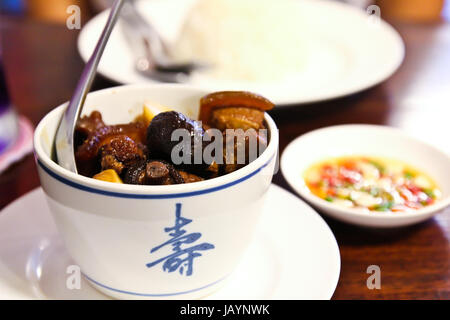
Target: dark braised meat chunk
x=189, y=177
x=135, y=173
x=90, y=147
x=118, y=151
x=237, y=118
x=161, y=172
x=230, y=99
x=240, y=150
x=107, y=147
x=212, y=171
x=150, y=151
x=157, y=173
x=153, y=172
x=88, y=124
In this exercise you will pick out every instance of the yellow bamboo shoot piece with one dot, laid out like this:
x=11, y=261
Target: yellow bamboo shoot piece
x=108, y=176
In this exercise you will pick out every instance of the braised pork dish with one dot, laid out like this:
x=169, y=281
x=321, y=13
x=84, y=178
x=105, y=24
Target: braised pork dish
x=167, y=147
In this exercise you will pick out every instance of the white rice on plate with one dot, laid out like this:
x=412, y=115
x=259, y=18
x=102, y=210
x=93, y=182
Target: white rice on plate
x=245, y=40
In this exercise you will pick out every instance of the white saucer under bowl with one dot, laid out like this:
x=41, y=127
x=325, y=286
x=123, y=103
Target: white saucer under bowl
x=366, y=140
x=294, y=255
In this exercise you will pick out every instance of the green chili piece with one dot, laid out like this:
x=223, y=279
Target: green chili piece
x=408, y=175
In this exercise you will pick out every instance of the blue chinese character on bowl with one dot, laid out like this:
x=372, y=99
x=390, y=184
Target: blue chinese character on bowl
x=185, y=247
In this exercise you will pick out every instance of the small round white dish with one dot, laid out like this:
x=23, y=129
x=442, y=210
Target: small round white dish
x=346, y=51
x=366, y=140
x=294, y=255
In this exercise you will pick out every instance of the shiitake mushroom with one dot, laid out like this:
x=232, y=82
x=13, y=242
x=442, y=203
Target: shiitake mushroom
x=135, y=173
x=161, y=143
x=160, y=172
x=152, y=172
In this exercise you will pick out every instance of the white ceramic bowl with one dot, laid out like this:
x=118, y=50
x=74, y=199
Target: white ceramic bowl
x=116, y=233
x=369, y=140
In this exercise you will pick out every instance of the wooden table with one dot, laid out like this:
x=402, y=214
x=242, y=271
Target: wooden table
x=43, y=67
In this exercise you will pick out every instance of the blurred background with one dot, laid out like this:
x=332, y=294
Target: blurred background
x=35, y=39
x=54, y=10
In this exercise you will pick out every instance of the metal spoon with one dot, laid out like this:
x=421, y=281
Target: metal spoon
x=151, y=53
x=65, y=134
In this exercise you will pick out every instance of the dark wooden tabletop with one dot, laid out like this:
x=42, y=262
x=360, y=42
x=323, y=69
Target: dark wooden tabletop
x=43, y=67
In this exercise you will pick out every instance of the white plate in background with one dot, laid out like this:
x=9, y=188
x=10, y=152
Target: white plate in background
x=345, y=51
x=294, y=255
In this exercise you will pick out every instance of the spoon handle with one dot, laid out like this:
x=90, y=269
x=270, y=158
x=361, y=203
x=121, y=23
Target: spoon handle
x=64, y=137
